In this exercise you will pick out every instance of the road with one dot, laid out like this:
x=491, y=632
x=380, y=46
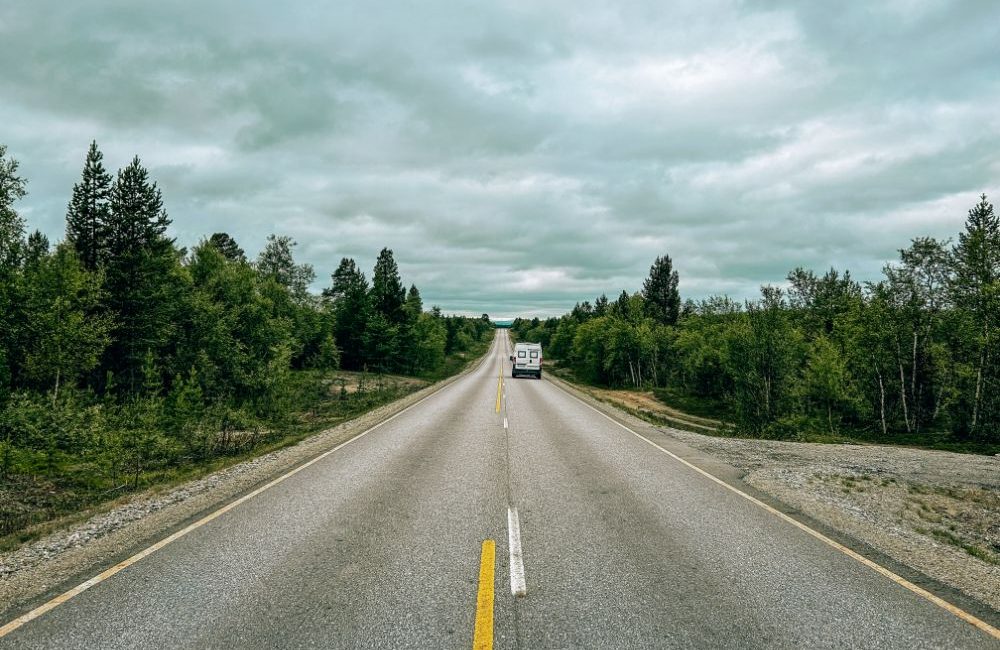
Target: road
x=380, y=544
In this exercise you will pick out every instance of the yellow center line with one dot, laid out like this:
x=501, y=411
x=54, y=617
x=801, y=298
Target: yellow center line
x=499, y=385
x=482, y=638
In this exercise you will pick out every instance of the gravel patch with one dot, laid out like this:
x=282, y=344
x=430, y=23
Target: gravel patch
x=44, y=566
x=935, y=511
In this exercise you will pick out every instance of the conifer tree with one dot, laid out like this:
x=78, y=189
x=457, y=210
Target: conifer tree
x=89, y=209
x=663, y=301
x=349, y=294
x=36, y=248
x=388, y=294
x=227, y=246
x=137, y=220
x=414, y=305
x=141, y=280
x=976, y=289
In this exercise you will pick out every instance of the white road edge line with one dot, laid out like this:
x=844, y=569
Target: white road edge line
x=871, y=564
x=517, y=585
x=46, y=607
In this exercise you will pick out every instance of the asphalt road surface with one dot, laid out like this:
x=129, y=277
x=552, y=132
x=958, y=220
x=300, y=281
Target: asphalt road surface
x=381, y=545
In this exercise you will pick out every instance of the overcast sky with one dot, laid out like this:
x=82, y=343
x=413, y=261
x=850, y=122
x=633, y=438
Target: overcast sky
x=519, y=157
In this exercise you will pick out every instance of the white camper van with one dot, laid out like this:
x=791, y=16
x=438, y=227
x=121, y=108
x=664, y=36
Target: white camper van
x=526, y=360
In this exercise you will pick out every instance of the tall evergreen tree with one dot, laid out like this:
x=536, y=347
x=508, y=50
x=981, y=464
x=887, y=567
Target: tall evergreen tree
x=660, y=291
x=601, y=305
x=349, y=294
x=414, y=305
x=36, y=248
x=12, y=188
x=226, y=245
x=137, y=220
x=976, y=289
x=141, y=273
x=388, y=294
x=89, y=209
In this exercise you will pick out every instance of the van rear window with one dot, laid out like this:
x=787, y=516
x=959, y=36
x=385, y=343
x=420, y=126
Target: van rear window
x=520, y=354
x=534, y=354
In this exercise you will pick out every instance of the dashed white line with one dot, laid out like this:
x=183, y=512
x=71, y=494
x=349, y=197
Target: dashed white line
x=517, y=585
x=505, y=423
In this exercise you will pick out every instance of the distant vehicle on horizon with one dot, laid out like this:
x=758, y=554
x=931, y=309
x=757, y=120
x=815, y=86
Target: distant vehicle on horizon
x=526, y=360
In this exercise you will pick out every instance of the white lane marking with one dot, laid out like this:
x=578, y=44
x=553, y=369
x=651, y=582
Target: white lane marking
x=871, y=564
x=517, y=586
x=505, y=423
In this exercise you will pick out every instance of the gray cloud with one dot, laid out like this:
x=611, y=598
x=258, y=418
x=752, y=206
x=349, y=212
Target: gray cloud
x=522, y=156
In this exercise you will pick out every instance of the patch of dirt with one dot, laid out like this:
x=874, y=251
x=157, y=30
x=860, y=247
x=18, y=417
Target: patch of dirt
x=645, y=403
x=352, y=382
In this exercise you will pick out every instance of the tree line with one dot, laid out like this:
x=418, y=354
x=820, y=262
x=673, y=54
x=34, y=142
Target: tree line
x=913, y=356
x=121, y=351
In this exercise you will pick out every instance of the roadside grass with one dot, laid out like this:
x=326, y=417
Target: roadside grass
x=949, y=537
x=34, y=505
x=44, y=504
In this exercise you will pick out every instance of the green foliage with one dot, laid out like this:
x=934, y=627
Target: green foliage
x=388, y=295
x=64, y=334
x=910, y=358
x=227, y=246
x=124, y=360
x=662, y=300
x=89, y=211
x=349, y=297
x=276, y=262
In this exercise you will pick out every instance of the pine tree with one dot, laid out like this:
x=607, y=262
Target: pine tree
x=388, y=294
x=601, y=305
x=976, y=290
x=414, y=305
x=663, y=301
x=36, y=249
x=137, y=219
x=227, y=246
x=349, y=294
x=89, y=209
x=141, y=272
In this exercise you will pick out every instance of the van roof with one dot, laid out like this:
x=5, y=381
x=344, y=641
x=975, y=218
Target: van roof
x=527, y=345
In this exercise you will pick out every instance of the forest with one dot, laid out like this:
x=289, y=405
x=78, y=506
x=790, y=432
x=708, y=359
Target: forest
x=125, y=359
x=911, y=358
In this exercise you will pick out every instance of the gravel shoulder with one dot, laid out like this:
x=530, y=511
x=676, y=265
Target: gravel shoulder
x=47, y=566
x=937, y=512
